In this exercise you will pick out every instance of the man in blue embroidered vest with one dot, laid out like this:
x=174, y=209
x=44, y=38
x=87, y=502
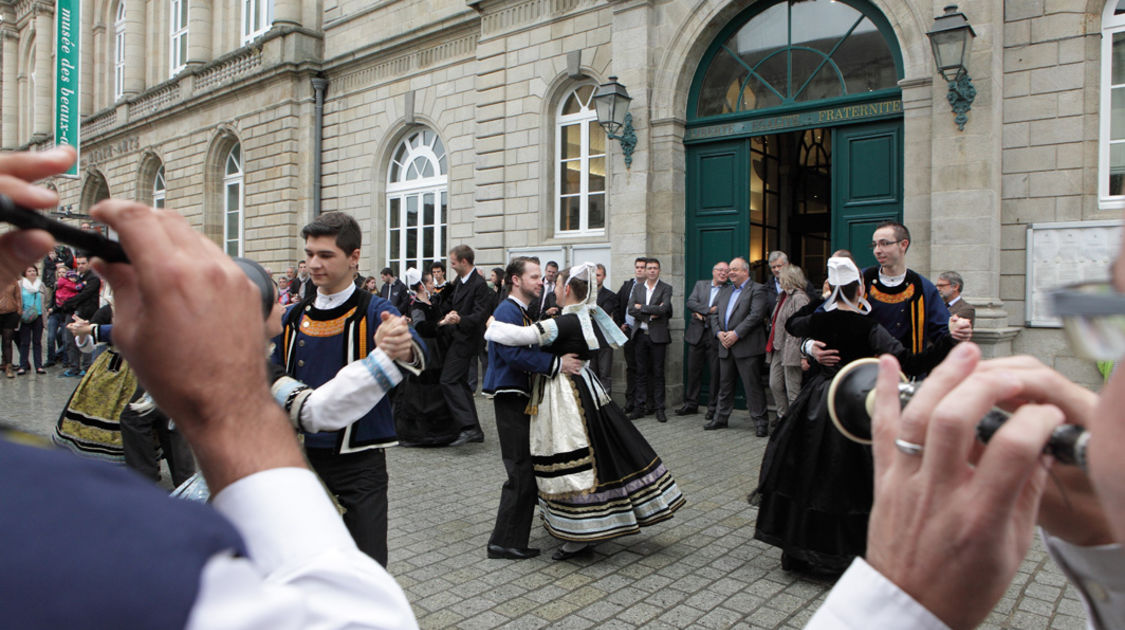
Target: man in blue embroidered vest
x=508, y=382
x=322, y=334
x=267, y=552
x=904, y=301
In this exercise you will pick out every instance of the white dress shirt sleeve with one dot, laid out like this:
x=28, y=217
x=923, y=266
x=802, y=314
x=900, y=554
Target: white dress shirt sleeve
x=355, y=389
x=864, y=599
x=1098, y=574
x=304, y=570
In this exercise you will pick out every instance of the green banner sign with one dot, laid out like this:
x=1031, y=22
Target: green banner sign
x=67, y=62
x=798, y=120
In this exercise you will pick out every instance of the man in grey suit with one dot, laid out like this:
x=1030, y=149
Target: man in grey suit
x=740, y=328
x=703, y=346
x=651, y=305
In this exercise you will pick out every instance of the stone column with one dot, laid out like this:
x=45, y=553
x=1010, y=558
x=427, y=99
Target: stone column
x=135, y=57
x=966, y=182
x=287, y=12
x=99, y=93
x=199, y=32
x=86, y=105
x=9, y=97
x=44, y=73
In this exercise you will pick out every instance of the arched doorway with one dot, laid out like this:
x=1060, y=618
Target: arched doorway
x=794, y=136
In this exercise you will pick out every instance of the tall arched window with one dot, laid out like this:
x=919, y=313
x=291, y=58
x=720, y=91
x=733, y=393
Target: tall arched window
x=232, y=201
x=580, y=172
x=257, y=17
x=1111, y=145
x=178, y=18
x=417, y=198
x=159, y=189
x=119, y=52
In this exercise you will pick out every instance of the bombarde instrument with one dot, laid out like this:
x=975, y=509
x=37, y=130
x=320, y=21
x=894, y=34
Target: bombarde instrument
x=851, y=404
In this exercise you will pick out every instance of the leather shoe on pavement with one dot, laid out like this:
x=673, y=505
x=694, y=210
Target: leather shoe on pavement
x=636, y=414
x=660, y=417
x=687, y=410
x=496, y=552
x=762, y=430
x=563, y=554
x=468, y=435
x=715, y=424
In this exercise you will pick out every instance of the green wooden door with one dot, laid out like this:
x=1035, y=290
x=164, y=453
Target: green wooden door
x=866, y=184
x=718, y=225
x=717, y=205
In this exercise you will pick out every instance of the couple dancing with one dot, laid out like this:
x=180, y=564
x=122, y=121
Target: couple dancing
x=561, y=437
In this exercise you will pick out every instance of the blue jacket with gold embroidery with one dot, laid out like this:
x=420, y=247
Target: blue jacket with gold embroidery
x=316, y=344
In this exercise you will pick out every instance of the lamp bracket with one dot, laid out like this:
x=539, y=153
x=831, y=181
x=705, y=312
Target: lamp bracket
x=961, y=95
x=627, y=138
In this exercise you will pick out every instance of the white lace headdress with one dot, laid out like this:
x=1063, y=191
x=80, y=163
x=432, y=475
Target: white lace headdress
x=589, y=312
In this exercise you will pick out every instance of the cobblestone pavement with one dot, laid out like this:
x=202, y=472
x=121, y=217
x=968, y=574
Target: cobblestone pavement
x=702, y=569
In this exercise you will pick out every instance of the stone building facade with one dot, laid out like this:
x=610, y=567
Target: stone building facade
x=442, y=122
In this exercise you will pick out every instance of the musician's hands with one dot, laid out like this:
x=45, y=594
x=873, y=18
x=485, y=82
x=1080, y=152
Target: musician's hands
x=1070, y=509
x=824, y=355
x=20, y=249
x=949, y=533
x=960, y=328
x=570, y=364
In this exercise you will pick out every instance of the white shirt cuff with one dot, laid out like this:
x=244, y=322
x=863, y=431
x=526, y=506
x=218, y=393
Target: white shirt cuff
x=1096, y=574
x=284, y=515
x=863, y=599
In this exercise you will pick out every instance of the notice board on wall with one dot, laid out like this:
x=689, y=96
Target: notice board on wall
x=1064, y=253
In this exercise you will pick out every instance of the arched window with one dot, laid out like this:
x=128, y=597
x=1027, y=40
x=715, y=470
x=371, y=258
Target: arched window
x=179, y=31
x=796, y=52
x=232, y=201
x=119, y=52
x=1111, y=145
x=580, y=166
x=159, y=189
x=417, y=198
x=257, y=17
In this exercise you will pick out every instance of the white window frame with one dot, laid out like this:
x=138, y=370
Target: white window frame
x=402, y=189
x=119, y=52
x=1111, y=24
x=177, y=19
x=233, y=180
x=160, y=188
x=588, y=119
x=259, y=13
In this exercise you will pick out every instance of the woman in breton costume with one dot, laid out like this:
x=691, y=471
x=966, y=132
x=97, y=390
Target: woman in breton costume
x=597, y=476
x=815, y=486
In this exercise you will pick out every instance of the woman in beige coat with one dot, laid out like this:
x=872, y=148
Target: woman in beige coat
x=783, y=349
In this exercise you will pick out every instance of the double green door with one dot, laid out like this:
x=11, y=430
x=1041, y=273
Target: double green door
x=866, y=189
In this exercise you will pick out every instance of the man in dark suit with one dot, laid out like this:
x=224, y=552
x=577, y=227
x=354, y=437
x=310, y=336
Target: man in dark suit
x=627, y=323
x=82, y=304
x=507, y=381
x=394, y=291
x=465, y=312
x=603, y=362
x=544, y=306
x=651, y=307
x=703, y=347
x=949, y=285
x=740, y=328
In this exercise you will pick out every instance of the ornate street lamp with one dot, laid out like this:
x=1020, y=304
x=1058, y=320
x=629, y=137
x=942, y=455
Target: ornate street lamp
x=950, y=39
x=612, y=104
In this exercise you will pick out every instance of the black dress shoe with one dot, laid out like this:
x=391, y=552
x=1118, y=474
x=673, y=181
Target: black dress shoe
x=687, y=410
x=496, y=552
x=468, y=435
x=637, y=414
x=563, y=554
x=660, y=417
x=762, y=430
x=710, y=415
x=715, y=424
x=629, y=408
